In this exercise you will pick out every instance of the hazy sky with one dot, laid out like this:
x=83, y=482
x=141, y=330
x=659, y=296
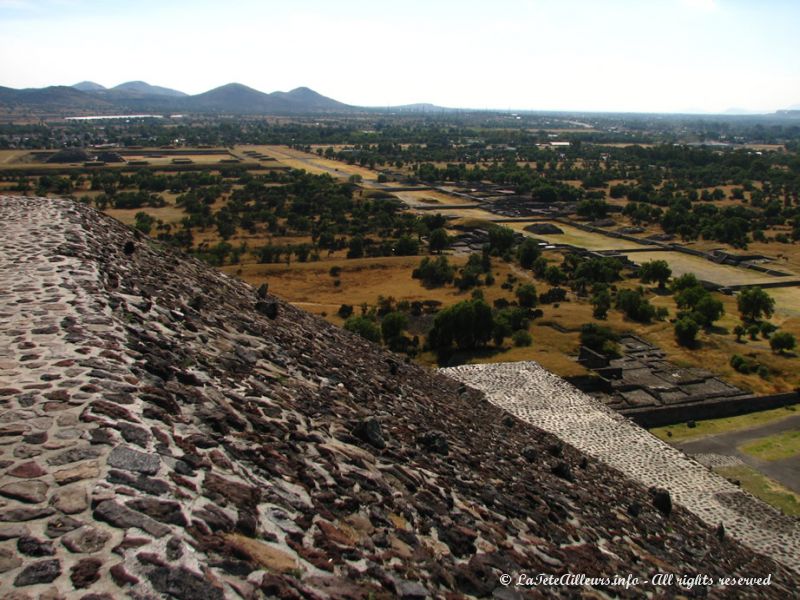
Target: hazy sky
x=611, y=55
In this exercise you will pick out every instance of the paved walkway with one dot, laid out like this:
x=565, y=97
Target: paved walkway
x=785, y=471
x=535, y=395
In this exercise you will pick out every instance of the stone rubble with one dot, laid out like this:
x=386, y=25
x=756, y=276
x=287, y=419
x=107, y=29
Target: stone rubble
x=162, y=437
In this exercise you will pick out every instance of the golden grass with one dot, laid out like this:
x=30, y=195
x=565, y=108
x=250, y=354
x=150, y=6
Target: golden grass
x=682, y=432
x=312, y=163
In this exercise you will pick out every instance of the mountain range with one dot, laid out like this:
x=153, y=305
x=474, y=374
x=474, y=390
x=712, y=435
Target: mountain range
x=138, y=96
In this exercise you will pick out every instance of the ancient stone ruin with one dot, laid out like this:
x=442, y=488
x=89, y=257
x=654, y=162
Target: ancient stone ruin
x=162, y=437
x=643, y=385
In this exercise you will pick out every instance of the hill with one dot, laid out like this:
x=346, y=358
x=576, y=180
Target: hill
x=171, y=432
x=237, y=98
x=137, y=96
x=140, y=88
x=88, y=86
x=310, y=100
x=51, y=98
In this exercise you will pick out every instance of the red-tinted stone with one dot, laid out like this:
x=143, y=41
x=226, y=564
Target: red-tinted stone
x=28, y=470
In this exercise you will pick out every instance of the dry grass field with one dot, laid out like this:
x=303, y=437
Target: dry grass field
x=296, y=159
x=577, y=237
x=430, y=198
x=310, y=285
x=706, y=270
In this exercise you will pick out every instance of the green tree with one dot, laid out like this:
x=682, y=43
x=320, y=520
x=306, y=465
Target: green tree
x=522, y=338
x=501, y=239
x=356, y=247
x=753, y=303
x=365, y=327
x=592, y=209
x=707, y=310
x=393, y=325
x=527, y=252
x=434, y=272
x=635, y=305
x=782, y=342
x=739, y=331
x=554, y=275
x=406, y=246
x=468, y=324
x=601, y=302
x=144, y=222
x=526, y=295
x=655, y=271
x=438, y=240
x=686, y=330
x=685, y=281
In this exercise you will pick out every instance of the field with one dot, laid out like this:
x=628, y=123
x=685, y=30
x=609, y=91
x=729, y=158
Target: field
x=775, y=447
x=555, y=335
x=154, y=158
x=682, y=432
x=296, y=159
x=706, y=270
x=764, y=488
x=577, y=237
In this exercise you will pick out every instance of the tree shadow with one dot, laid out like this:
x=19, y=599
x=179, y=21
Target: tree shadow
x=665, y=291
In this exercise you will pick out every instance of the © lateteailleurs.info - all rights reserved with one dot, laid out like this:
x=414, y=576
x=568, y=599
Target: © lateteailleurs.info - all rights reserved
x=628, y=581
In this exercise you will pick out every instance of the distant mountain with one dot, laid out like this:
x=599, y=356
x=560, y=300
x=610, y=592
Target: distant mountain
x=139, y=96
x=742, y=111
x=237, y=98
x=88, y=86
x=140, y=88
x=310, y=99
x=419, y=107
x=57, y=97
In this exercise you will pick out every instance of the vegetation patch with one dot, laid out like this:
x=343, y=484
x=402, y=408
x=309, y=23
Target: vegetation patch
x=774, y=447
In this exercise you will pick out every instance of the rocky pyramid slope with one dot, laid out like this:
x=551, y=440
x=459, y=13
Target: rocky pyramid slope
x=166, y=432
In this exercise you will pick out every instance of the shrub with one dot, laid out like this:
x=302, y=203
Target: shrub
x=434, y=272
x=527, y=252
x=345, y=310
x=686, y=330
x=600, y=339
x=522, y=338
x=635, y=306
x=655, y=271
x=365, y=327
x=743, y=365
x=782, y=341
x=526, y=295
x=392, y=325
x=553, y=295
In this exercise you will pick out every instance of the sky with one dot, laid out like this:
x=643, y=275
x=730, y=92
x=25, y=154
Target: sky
x=576, y=55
